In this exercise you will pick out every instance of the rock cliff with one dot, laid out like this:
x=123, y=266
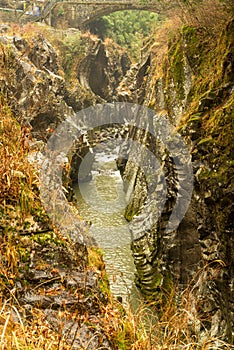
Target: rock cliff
x=35, y=97
x=32, y=79
x=192, y=86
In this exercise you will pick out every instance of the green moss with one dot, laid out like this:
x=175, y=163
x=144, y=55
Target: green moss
x=176, y=58
x=212, y=64
x=191, y=38
x=24, y=254
x=167, y=285
x=209, y=123
x=178, y=71
x=129, y=213
x=47, y=238
x=95, y=261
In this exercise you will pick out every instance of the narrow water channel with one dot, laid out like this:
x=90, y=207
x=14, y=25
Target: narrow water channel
x=102, y=201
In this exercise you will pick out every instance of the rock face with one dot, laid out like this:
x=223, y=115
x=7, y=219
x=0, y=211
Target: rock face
x=31, y=83
x=201, y=246
x=102, y=68
x=38, y=94
x=41, y=98
x=35, y=91
x=32, y=80
x=73, y=300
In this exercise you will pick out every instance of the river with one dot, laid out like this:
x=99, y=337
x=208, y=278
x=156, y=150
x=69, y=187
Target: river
x=102, y=202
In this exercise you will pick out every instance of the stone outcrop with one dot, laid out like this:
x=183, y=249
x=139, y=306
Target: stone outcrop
x=30, y=81
x=102, y=68
x=38, y=94
x=73, y=298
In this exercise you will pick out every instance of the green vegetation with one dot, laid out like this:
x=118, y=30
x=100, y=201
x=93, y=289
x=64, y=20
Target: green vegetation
x=129, y=29
x=177, y=68
x=212, y=105
x=70, y=50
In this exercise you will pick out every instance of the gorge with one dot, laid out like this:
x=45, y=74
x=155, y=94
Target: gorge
x=185, y=85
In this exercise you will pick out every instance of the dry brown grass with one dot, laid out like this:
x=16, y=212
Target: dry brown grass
x=161, y=37
x=17, y=334
x=209, y=14
x=16, y=173
x=128, y=331
x=17, y=198
x=173, y=326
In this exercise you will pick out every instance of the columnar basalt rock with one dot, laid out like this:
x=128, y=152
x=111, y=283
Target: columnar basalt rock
x=200, y=249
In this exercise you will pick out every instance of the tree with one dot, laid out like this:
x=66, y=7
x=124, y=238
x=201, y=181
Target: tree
x=126, y=28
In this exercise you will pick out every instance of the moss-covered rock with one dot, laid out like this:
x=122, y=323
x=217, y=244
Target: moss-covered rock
x=193, y=86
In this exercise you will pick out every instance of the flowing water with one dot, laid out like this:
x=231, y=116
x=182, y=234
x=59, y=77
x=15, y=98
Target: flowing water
x=102, y=201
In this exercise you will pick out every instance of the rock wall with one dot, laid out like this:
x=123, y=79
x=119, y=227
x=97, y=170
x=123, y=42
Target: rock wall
x=34, y=83
x=193, y=87
x=102, y=68
x=32, y=79
x=31, y=84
